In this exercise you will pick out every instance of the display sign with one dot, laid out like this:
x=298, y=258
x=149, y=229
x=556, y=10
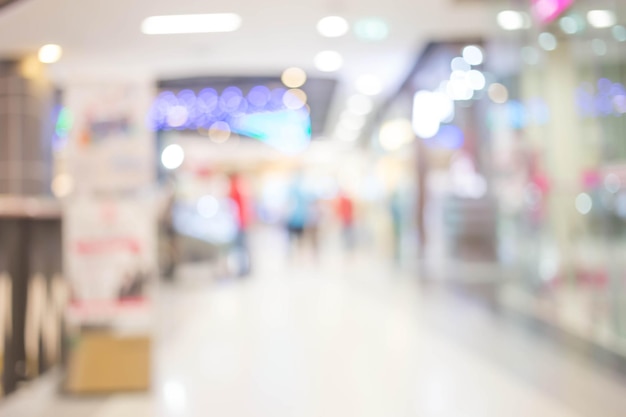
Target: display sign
x=110, y=247
x=546, y=11
x=110, y=148
x=110, y=232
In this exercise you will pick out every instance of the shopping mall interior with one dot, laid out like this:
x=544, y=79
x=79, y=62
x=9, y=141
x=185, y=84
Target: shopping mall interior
x=315, y=208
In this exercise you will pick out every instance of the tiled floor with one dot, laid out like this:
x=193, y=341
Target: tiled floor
x=345, y=336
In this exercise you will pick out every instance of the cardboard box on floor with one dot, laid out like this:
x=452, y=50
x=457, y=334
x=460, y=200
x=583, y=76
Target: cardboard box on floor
x=104, y=362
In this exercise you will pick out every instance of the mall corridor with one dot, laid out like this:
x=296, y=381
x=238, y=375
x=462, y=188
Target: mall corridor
x=341, y=337
x=348, y=208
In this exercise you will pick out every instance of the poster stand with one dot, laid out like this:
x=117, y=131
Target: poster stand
x=110, y=232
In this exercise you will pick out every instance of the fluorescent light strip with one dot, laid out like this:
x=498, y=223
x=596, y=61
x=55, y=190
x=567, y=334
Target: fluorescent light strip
x=601, y=18
x=191, y=23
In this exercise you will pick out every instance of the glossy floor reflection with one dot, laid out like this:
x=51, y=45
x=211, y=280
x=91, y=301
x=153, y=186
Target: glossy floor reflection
x=343, y=336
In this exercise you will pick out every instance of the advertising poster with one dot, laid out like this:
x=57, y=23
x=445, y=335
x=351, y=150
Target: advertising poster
x=109, y=221
x=109, y=236
x=110, y=148
x=110, y=246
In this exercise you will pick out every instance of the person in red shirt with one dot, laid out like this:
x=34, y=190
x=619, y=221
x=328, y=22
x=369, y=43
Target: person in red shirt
x=345, y=213
x=237, y=196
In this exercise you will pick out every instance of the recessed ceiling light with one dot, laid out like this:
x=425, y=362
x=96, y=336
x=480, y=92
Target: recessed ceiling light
x=191, y=23
x=511, y=20
x=371, y=29
x=49, y=54
x=328, y=61
x=601, y=18
x=333, y=26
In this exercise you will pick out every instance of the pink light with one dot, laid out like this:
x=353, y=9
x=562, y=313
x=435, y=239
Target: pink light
x=546, y=11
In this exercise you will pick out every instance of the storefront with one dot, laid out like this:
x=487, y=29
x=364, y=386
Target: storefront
x=433, y=127
x=557, y=126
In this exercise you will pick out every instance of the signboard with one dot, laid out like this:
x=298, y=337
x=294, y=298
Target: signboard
x=110, y=247
x=110, y=232
x=111, y=148
x=546, y=11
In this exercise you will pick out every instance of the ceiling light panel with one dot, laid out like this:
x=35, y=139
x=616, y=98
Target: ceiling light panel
x=191, y=23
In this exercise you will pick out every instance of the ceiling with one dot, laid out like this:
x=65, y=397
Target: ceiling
x=102, y=38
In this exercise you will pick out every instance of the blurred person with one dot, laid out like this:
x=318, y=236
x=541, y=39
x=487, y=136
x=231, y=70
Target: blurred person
x=300, y=216
x=239, y=198
x=395, y=210
x=423, y=171
x=345, y=213
x=312, y=229
x=168, y=230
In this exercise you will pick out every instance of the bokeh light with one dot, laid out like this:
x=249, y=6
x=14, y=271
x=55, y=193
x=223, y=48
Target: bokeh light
x=333, y=26
x=426, y=118
x=396, y=133
x=448, y=137
x=276, y=98
x=460, y=64
x=498, y=93
x=547, y=41
x=177, y=116
x=371, y=29
x=584, y=203
x=295, y=99
x=442, y=106
x=172, y=156
x=208, y=100
x=294, y=77
x=569, y=25
x=50, y=53
x=511, y=20
x=259, y=96
x=64, y=123
x=619, y=33
x=601, y=18
x=476, y=80
x=459, y=89
x=208, y=206
x=328, y=61
x=62, y=185
x=473, y=55
x=230, y=99
x=219, y=132
x=612, y=183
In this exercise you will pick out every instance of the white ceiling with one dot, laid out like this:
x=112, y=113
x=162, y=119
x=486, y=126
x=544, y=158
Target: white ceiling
x=103, y=38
